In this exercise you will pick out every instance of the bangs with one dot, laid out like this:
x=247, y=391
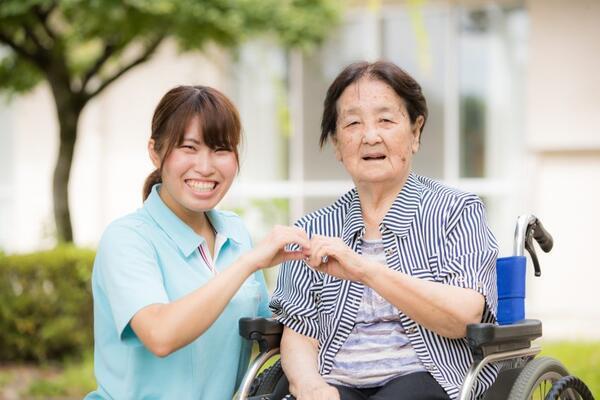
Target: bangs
x=218, y=118
x=219, y=121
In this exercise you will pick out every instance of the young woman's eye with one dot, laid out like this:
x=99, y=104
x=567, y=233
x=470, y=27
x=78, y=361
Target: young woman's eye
x=222, y=149
x=186, y=147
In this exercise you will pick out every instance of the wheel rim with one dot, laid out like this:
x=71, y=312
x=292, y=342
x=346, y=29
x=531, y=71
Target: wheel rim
x=543, y=385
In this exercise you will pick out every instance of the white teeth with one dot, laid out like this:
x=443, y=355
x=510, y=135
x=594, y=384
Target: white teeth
x=201, y=186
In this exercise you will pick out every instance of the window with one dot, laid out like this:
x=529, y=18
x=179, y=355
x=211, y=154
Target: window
x=470, y=62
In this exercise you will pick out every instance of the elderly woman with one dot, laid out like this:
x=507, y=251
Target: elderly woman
x=398, y=266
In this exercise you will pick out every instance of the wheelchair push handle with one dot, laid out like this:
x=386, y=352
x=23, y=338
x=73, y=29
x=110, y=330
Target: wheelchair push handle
x=529, y=227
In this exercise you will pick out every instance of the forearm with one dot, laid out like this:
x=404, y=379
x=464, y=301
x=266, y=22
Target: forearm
x=164, y=328
x=299, y=361
x=444, y=309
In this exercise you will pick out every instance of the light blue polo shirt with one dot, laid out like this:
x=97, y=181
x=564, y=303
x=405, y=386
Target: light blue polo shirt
x=150, y=257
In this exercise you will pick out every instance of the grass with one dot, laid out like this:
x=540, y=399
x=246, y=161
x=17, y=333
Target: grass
x=5, y=378
x=582, y=359
x=75, y=380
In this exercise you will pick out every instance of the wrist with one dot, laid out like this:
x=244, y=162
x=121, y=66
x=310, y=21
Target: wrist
x=248, y=263
x=371, y=270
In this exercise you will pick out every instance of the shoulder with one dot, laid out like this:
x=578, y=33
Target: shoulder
x=135, y=228
x=330, y=216
x=441, y=196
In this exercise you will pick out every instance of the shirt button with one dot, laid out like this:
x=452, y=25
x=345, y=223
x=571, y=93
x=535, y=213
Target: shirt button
x=460, y=279
x=430, y=367
x=389, y=251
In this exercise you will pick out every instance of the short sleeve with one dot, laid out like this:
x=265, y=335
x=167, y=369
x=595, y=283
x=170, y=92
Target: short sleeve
x=129, y=275
x=263, y=306
x=293, y=303
x=470, y=253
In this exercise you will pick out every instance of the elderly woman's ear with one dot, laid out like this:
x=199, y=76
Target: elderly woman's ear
x=336, y=149
x=416, y=130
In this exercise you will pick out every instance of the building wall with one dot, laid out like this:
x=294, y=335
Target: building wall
x=563, y=137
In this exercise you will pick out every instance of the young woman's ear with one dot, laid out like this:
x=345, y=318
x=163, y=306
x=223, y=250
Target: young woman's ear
x=153, y=154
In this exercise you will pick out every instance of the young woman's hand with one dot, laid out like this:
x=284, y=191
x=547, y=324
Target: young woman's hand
x=333, y=257
x=271, y=250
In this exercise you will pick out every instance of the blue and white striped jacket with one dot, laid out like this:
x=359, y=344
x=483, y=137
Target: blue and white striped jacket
x=432, y=232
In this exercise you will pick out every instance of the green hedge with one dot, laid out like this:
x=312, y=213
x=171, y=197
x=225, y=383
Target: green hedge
x=45, y=304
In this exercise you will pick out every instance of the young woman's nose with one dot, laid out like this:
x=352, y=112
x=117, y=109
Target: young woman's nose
x=204, y=162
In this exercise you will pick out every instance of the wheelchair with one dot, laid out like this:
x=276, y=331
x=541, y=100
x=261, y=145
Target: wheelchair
x=521, y=376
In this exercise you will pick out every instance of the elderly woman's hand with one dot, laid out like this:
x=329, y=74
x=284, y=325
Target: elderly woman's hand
x=332, y=256
x=322, y=392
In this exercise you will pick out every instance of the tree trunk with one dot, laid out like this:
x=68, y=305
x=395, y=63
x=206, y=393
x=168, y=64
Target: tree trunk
x=62, y=171
x=68, y=109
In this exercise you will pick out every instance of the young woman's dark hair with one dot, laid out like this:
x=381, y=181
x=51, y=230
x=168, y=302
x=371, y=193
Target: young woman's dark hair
x=219, y=121
x=401, y=82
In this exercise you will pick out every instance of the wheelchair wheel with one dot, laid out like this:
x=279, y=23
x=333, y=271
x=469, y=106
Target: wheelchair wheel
x=267, y=382
x=537, y=378
x=569, y=387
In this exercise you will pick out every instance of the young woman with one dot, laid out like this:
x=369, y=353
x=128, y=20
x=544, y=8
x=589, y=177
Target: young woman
x=171, y=280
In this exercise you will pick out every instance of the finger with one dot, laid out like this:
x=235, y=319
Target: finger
x=293, y=255
x=320, y=255
x=295, y=236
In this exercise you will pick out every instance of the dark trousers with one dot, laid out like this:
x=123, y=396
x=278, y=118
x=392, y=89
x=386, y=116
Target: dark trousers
x=416, y=386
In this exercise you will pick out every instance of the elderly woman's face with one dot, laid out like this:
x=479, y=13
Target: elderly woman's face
x=374, y=137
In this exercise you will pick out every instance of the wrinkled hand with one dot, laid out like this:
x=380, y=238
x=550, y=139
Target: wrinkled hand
x=333, y=257
x=321, y=392
x=271, y=250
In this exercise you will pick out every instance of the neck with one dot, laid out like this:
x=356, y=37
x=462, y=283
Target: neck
x=376, y=199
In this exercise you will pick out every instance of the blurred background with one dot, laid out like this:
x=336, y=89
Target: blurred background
x=512, y=86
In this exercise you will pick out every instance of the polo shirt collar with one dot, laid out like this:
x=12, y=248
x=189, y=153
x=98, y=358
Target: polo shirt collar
x=399, y=217
x=181, y=233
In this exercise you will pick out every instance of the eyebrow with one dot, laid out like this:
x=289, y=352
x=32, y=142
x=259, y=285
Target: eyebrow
x=355, y=110
x=187, y=139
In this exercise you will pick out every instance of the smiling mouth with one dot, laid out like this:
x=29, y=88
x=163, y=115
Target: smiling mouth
x=201, y=186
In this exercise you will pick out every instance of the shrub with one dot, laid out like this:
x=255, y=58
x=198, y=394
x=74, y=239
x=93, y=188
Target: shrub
x=45, y=304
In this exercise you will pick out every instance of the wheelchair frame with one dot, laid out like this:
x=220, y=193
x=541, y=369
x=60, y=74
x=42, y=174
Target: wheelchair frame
x=488, y=342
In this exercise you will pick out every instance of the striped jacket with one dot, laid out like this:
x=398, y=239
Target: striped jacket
x=432, y=232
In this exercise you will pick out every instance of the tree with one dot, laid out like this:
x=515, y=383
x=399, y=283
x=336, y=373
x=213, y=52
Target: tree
x=80, y=47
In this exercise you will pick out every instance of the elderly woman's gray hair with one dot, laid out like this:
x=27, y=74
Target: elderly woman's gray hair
x=399, y=80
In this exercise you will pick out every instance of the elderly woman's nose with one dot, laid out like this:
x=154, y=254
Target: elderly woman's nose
x=371, y=135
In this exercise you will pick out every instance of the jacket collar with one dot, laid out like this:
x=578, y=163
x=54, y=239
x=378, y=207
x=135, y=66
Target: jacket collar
x=399, y=217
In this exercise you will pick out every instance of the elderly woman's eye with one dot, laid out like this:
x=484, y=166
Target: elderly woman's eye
x=352, y=123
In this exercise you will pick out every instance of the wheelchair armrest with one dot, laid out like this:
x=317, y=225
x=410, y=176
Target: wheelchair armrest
x=266, y=331
x=486, y=339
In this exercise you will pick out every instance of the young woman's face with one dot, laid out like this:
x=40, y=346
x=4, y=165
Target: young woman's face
x=194, y=177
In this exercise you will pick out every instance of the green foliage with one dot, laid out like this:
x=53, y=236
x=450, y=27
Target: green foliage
x=23, y=81
x=582, y=359
x=45, y=304
x=92, y=36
